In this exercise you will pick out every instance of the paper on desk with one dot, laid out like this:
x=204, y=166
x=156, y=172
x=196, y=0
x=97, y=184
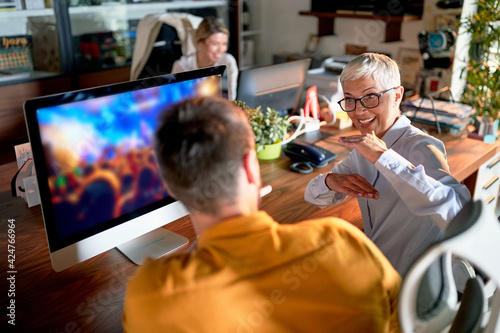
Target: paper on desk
x=445, y=121
x=23, y=153
x=445, y=108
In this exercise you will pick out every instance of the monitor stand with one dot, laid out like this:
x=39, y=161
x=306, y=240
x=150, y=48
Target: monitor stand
x=154, y=244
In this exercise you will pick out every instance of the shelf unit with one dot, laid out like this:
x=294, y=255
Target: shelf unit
x=136, y=10
x=111, y=9
x=10, y=14
x=139, y=10
x=60, y=29
x=326, y=22
x=244, y=45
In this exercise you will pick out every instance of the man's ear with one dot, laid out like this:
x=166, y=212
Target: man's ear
x=168, y=190
x=252, y=167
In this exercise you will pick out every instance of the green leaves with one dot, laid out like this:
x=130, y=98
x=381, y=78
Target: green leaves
x=268, y=126
x=483, y=68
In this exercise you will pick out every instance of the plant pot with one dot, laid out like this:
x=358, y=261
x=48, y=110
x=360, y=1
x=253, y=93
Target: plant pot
x=268, y=152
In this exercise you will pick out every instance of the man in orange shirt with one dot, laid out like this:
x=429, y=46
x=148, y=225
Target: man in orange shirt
x=248, y=273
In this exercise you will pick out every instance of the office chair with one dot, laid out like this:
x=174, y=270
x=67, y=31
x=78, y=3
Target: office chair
x=473, y=235
x=160, y=40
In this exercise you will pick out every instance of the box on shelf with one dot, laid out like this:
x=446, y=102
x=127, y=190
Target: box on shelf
x=34, y=4
x=46, y=54
x=15, y=54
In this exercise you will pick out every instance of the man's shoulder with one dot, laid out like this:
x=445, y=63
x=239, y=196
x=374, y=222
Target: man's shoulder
x=328, y=222
x=331, y=228
x=152, y=274
x=179, y=273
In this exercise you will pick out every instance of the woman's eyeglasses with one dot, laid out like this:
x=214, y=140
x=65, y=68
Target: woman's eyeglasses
x=369, y=101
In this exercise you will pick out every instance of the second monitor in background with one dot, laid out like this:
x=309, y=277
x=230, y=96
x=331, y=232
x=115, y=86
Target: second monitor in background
x=277, y=86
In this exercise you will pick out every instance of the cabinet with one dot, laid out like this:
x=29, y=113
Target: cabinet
x=488, y=182
x=484, y=184
x=392, y=23
x=246, y=33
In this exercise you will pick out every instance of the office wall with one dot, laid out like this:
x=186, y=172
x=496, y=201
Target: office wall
x=284, y=30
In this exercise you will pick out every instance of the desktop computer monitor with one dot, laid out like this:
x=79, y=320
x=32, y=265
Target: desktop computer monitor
x=276, y=86
x=96, y=169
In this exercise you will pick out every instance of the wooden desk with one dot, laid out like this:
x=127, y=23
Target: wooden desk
x=286, y=203
x=89, y=296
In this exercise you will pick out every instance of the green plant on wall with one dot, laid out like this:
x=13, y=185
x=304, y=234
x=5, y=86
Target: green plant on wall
x=268, y=126
x=483, y=68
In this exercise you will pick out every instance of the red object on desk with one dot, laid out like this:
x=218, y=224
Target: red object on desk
x=312, y=103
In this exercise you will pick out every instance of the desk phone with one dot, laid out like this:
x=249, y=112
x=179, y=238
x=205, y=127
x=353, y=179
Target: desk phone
x=307, y=155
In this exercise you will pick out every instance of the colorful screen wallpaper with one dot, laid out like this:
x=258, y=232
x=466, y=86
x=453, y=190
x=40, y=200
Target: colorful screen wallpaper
x=100, y=156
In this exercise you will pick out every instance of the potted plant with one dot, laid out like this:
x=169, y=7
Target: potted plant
x=269, y=129
x=483, y=67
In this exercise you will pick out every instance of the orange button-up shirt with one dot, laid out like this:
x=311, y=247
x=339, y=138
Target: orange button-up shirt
x=251, y=274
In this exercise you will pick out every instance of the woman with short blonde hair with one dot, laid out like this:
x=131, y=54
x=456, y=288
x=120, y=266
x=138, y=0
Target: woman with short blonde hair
x=398, y=173
x=211, y=39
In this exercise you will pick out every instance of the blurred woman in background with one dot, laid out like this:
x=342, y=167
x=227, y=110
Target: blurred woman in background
x=211, y=39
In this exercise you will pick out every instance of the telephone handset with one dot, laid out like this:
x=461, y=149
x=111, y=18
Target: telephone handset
x=304, y=152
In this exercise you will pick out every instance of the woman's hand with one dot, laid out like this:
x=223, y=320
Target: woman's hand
x=368, y=145
x=353, y=185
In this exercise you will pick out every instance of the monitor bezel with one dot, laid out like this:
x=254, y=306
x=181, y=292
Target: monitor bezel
x=249, y=75
x=58, y=247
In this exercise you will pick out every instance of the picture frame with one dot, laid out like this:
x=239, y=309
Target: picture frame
x=312, y=44
x=411, y=62
x=355, y=49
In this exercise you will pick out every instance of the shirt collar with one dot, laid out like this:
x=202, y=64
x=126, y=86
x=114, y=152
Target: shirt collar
x=236, y=227
x=396, y=130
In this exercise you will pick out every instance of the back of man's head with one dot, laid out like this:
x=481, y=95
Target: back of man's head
x=200, y=145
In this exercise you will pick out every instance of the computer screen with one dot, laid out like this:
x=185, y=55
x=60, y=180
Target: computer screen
x=277, y=86
x=96, y=168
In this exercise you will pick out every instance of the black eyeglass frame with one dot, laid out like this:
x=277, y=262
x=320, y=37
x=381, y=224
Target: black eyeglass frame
x=361, y=100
